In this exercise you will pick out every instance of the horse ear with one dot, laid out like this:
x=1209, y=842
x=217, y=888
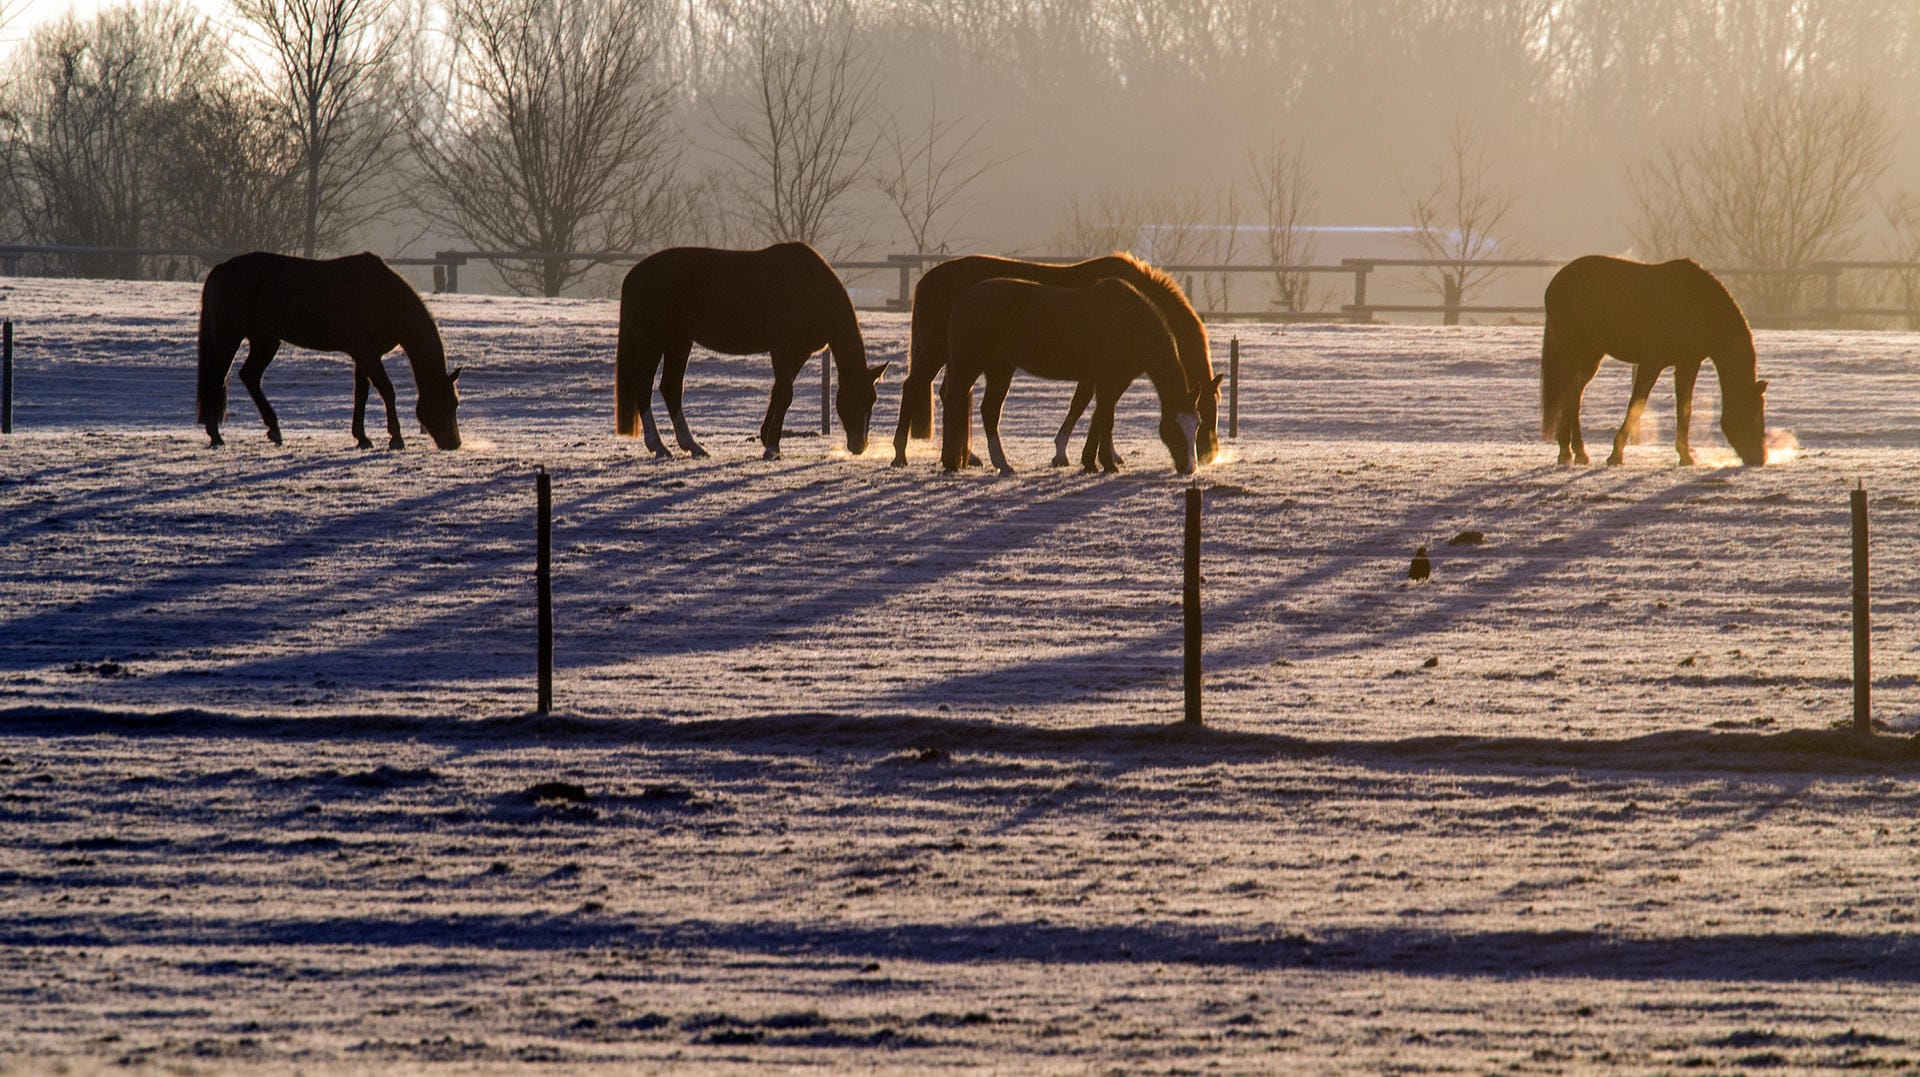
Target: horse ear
x=874, y=372
x=455, y=376
x=1759, y=388
x=1217, y=379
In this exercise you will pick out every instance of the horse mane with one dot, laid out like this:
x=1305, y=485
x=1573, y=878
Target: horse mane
x=1160, y=280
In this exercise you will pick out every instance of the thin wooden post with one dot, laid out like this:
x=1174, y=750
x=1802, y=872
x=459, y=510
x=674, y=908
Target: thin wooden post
x=1233, y=390
x=6, y=377
x=826, y=395
x=1190, y=604
x=1862, y=618
x=543, y=575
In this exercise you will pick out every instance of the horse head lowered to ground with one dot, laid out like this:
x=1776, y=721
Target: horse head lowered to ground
x=355, y=305
x=784, y=300
x=1104, y=334
x=1654, y=316
x=933, y=300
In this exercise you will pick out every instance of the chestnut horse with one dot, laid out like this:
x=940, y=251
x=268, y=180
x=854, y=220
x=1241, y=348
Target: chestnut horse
x=1104, y=334
x=933, y=300
x=1673, y=314
x=784, y=300
x=354, y=305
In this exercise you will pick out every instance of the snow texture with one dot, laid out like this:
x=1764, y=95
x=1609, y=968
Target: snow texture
x=856, y=767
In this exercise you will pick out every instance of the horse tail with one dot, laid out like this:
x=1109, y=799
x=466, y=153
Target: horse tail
x=215, y=351
x=629, y=388
x=1553, y=375
x=926, y=356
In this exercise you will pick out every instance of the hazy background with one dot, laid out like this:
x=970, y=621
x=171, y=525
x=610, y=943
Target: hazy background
x=1511, y=127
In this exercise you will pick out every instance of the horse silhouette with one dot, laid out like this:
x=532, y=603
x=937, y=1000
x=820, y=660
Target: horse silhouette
x=1673, y=314
x=784, y=300
x=933, y=300
x=1104, y=335
x=354, y=305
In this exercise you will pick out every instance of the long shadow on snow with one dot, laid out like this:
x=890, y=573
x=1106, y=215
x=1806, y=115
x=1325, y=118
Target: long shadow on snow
x=1682, y=753
x=1891, y=958
x=124, y=611
x=1012, y=682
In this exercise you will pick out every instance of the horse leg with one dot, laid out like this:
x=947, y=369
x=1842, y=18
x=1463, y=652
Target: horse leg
x=1644, y=377
x=1684, y=375
x=786, y=367
x=260, y=352
x=1100, y=432
x=673, y=380
x=917, y=386
x=1082, y=395
x=361, y=383
x=376, y=372
x=1573, y=448
x=991, y=402
x=645, y=367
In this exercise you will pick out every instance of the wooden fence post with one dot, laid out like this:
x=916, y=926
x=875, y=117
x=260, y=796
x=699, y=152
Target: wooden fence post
x=6, y=377
x=1233, y=390
x=543, y=576
x=1190, y=606
x=1862, y=618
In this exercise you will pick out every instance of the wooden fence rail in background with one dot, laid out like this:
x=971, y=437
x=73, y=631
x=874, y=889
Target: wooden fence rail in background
x=901, y=271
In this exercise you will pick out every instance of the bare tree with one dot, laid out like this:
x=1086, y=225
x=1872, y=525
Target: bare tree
x=929, y=173
x=327, y=63
x=85, y=123
x=1780, y=185
x=1284, y=195
x=232, y=180
x=1462, y=217
x=1902, y=211
x=800, y=126
x=551, y=132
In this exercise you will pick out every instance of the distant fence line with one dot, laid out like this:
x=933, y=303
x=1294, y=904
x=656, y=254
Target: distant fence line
x=1823, y=305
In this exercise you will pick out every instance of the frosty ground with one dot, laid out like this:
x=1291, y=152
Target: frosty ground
x=856, y=767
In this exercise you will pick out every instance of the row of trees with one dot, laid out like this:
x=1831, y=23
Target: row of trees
x=1732, y=130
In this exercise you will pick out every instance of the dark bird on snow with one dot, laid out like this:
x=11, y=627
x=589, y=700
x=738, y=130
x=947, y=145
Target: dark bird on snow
x=1421, y=567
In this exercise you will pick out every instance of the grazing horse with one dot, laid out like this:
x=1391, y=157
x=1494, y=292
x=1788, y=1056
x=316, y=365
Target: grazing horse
x=933, y=300
x=1674, y=314
x=784, y=300
x=354, y=305
x=1104, y=334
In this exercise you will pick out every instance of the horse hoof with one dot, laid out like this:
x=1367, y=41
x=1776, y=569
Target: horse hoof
x=1060, y=460
x=273, y=435
x=697, y=452
x=1613, y=461
x=973, y=460
x=1686, y=461
x=770, y=454
x=899, y=461
x=662, y=454
x=215, y=441
x=364, y=443
x=396, y=443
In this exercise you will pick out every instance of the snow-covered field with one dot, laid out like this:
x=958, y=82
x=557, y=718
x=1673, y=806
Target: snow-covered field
x=855, y=767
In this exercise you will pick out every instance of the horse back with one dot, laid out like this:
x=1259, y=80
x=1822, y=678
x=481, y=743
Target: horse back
x=1643, y=312
x=1097, y=332
x=780, y=298
x=355, y=304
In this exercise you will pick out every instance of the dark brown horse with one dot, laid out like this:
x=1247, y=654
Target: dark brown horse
x=354, y=305
x=784, y=300
x=1104, y=334
x=1673, y=314
x=933, y=300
